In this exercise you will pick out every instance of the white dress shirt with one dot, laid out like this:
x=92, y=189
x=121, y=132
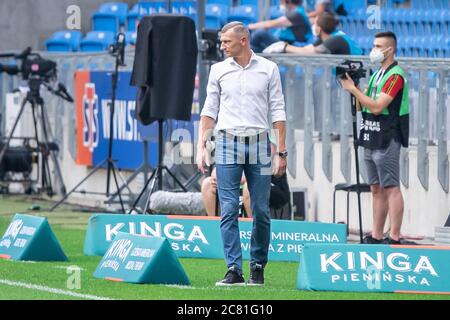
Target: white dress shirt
x=244, y=98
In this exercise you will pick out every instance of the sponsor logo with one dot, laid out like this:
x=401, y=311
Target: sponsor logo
x=378, y=267
x=90, y=117
x=14, y=229
x=172, y=231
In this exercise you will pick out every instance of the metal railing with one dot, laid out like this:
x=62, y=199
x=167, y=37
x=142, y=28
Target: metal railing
x=316, y=106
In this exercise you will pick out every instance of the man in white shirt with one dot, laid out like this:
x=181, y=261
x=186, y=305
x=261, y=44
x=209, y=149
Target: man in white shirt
x=243, y=96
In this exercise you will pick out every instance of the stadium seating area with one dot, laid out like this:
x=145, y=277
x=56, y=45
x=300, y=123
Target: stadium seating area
x=422, y=26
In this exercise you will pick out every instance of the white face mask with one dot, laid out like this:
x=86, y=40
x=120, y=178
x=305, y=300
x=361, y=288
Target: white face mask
x=314, y=30
x=377, y=56
x=283, y=8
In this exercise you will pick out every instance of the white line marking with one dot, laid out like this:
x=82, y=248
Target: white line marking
x=67, y=267
x=51, y=290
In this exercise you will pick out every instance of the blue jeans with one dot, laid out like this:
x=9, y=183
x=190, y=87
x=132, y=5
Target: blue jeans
x=261, y=39
x=233, y=158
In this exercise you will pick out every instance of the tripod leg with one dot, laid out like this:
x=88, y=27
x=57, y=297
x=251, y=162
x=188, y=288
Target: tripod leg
x=125, y=184
x=175, y=178
x=49, y=135
x=144, y=168
x=79, y=184
x=143, y=190
x=2, y=152
x=42, y=149
x=355, y=146
x=117, y=185
x=152, y=189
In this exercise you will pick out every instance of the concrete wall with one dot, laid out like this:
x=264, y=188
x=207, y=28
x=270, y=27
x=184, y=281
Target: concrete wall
x=424, y=209
x=30, y=22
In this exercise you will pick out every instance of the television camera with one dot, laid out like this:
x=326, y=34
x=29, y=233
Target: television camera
x=37, y=72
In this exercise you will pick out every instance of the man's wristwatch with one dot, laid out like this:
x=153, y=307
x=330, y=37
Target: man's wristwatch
x=283, y=154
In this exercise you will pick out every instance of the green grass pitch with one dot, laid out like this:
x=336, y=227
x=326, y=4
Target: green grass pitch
x=43, y=280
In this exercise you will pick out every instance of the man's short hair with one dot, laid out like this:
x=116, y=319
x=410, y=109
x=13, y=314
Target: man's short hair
x=387, y=34
x=327, y=22
x=238, y=27
x=295, y=2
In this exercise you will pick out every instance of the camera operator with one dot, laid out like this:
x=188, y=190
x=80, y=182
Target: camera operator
x=330, y=40
x=384, y=129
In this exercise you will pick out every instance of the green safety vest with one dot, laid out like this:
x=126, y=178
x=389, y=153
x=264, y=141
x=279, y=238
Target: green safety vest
x=377, y=131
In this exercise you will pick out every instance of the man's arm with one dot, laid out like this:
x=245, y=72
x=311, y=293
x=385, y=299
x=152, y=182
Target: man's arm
x=281, y=22
x=280, y=164
x=208, y=119
x=278, y=115
x=309, y=49
x=204, y=133
x=375, y=106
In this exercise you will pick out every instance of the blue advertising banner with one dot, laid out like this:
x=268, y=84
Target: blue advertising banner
x=92, y=101
x=199, y=237
x=141, y=259
x=374, y=268
x=30, y=238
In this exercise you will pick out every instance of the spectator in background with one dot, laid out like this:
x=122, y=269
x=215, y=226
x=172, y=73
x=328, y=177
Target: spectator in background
x=330, y=40
x=293, y=27
x=321, y=7
x=279, y=192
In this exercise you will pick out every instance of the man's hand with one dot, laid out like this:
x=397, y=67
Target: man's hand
x=348, y=84
x=277, y=47
x=279, y=166
x=201, y=159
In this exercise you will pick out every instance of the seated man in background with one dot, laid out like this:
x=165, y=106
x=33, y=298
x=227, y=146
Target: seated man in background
x=330, y=40
x=321, y=7
x=294, y=24
x=279, y=192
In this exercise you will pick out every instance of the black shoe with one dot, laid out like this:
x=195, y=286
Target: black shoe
x=256, y=275
x=389, y=240
x=233, y=277
x=371, y=240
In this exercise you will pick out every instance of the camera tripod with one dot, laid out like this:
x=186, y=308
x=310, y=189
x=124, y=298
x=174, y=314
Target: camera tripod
x=43, y=145
x=157, y=174
x=355, y=146
x=118, y=52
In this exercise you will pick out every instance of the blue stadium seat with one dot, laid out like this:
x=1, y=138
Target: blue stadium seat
x=244, y=14
x=352, y=5
x=178, y=7
x=275, y=12
x=97, y=41
x=401, y=18
x=152, y=7
x=387, y=19
x=130, y=38
x=249, y=3
x=228, y=3
x=446, y=47
x=430, y=21
x=435, y=46
x=133, y=18
x=110, y=16
x=408, y=45
x=215, y=15
x=360, y=18
x=64, y=41
x=191, y=9
x=402, y=46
